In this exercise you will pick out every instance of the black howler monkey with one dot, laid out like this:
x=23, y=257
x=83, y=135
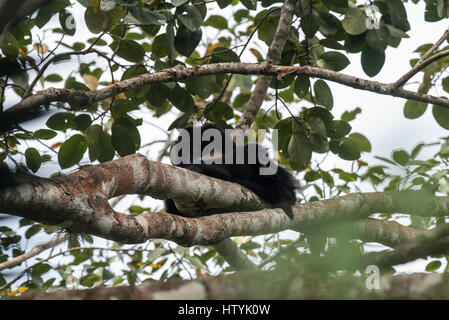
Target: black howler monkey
x=277, y=188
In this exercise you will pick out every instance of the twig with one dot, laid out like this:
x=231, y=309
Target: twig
x=33, y=252
x=424, y=61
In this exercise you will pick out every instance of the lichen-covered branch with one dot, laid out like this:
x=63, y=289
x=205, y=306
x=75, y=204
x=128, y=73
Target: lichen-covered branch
x=79, y=202
x=180, y=73
x=33, y=252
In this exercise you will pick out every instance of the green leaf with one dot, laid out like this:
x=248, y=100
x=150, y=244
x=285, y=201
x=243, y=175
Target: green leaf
x=147, y=17
x=202, y=86
x=378, y=38
x=40, y=269
x=433, y=266
x=333, y=60
x=44, y=134
x=446, y=84
x=350, y=115
x=299, y=150
x=362, y=141
x=186, y=41
x=53, y=78
x=181, y=99
x=190, y=16
x=354, y=22
x=96, y=20
x=372, y=61
x=250, y=4
x=33, y=159
x=414, y=109
x=60, y=121
x=302, y=86
x=72, y=151
x=129, y=50
x=346, y=148
x=338, y=129
x=125, y=137
x=398, y=14
x=82, y=122
x=441, y=115
x=99, y=143
x=217, y=22
x=223, y=3
x=178, y=3
x=67, y=22
x=401, y=157
x=221, y=54
x=220, y=111
x=323, y=94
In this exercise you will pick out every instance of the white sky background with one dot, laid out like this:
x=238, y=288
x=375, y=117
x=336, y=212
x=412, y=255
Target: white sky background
x=381, y=120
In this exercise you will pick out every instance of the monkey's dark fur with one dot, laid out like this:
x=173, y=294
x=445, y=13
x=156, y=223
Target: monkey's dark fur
x=277, y=189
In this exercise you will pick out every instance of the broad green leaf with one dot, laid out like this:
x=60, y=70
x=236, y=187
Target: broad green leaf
x=186, y=41
x=181, y=99
x=129, y=50
x=378, y=38
x=398, y=14
x=414, y=109
x=302, y=86
x=82, y=122
x=125, y=137
x=223, y=3
x=99, y=143
x=190, y=16
x=221, y=54
x=338, y=129
x=178, y=3
x=96, y=20
x=441, y=115
x=299, y=150
x=362, y=141
x=72, y=151
x=45, y=134
x=446, y=84
x=433, y=266
x=333, y=60
x=33, y=159
x=218, y=22
x=53, y=78
x=354, y=22
x=147, y=17
x=346, y=148
x=202, y=86
x=60, y=121
x=323, y=94
x=67, y=21
x=250, y=4
x=401, y=157
x=220, y=111
x=372, y=61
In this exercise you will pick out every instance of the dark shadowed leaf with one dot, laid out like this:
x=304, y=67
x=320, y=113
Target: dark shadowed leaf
x=72, y=151
x=186, y=40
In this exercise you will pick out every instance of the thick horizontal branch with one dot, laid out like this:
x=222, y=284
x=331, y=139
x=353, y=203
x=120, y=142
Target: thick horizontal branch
x=180, y=73
x=79, y=202
x=266, y=285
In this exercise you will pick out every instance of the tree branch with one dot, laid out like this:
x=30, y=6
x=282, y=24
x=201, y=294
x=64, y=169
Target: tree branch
x=424, y=61
x=33, y=252
x=265, y=285
x=79, y=202
x=181, y=73
x=273, y=57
